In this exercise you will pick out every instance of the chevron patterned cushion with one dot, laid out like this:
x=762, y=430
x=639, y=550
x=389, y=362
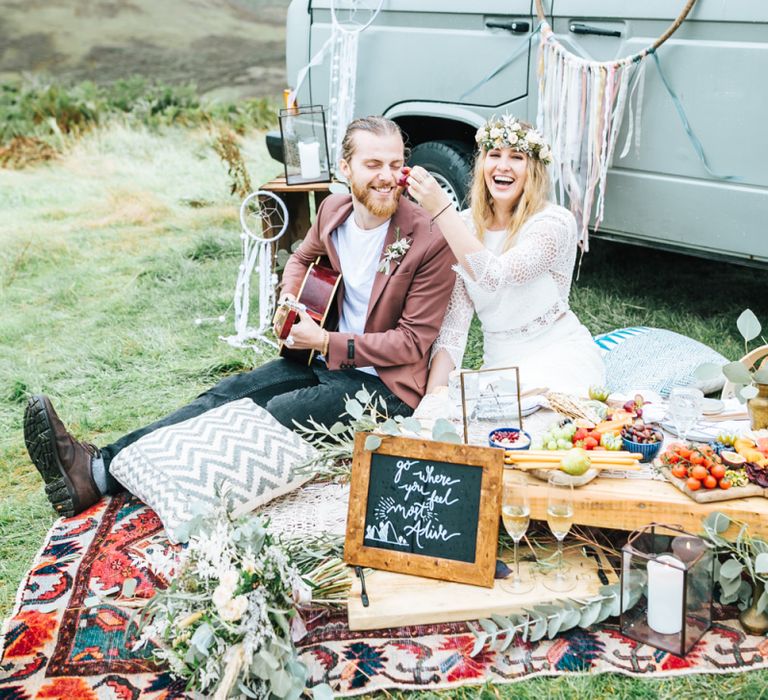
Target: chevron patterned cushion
x=237, y=449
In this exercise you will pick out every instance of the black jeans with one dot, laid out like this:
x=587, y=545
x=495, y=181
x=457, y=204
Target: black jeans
x=288, y=390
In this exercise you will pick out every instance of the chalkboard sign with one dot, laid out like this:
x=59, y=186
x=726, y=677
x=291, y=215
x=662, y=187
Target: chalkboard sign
x=426, y=508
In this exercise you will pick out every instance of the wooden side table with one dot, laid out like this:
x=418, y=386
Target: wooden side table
x=298, y=200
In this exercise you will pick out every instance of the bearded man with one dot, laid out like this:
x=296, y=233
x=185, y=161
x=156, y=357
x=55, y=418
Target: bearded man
x=396, y=282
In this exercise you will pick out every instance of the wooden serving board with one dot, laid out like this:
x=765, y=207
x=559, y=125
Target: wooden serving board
x=399, y=600
x=713, y=495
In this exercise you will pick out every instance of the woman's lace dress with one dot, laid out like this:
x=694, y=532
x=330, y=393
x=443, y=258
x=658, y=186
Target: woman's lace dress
x=521, y=299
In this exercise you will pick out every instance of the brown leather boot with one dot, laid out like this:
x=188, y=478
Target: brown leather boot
x=63, y=462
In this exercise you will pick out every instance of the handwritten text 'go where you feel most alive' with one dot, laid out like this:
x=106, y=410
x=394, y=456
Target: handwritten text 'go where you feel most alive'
x=420, y=506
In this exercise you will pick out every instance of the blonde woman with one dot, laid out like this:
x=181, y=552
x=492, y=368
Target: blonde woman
x=516, y=252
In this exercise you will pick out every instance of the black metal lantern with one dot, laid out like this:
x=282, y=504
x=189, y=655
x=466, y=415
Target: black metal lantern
x=667, y=578
x=305, y=145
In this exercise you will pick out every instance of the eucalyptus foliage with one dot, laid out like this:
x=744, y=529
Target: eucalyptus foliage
x=365, y=412
x=745, y=563
x=742, y=377
x=531, y=625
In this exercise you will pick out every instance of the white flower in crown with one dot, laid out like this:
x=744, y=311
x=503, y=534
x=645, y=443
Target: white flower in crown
x=534, y=137
x=496, y=133
x=507, y=132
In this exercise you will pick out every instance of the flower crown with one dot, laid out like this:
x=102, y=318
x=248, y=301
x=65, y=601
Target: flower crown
x=507, y=132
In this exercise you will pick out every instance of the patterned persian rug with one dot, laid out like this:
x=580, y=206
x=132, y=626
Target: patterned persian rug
x=65, y=640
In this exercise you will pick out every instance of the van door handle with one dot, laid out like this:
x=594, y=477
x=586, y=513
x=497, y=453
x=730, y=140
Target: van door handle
x=511, y=26
x=581, y=28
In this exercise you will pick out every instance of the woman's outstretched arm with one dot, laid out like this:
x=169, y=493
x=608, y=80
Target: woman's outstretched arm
x=431, y=197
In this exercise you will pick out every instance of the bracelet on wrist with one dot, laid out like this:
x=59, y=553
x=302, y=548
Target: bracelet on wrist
x=326, y=343
x=432, y=220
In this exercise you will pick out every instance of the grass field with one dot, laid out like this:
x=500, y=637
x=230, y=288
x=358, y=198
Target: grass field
x=105, y=265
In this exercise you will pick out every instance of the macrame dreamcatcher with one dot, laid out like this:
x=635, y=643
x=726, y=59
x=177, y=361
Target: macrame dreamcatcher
x=264, y=220
x=347, y=23
x=581, y=106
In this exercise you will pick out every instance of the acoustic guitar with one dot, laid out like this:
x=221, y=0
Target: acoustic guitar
x=317, y=296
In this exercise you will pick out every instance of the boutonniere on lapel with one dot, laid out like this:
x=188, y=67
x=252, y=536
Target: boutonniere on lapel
x=393, y=252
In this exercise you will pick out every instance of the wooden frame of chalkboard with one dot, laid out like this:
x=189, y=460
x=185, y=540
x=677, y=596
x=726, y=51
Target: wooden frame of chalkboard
x=425, y=508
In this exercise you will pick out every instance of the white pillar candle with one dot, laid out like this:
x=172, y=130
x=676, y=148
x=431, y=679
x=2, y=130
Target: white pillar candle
x=309, y=159
x=665, y=594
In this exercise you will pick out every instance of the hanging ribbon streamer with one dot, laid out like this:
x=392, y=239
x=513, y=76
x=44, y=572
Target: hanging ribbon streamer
x=580, y=111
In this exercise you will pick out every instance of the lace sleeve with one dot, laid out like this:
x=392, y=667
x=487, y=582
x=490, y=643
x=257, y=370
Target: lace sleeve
x=543, y=241
x=453, y=333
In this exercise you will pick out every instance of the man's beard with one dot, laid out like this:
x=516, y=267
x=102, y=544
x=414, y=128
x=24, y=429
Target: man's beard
x=364, y=195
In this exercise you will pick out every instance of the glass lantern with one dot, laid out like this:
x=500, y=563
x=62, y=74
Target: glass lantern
x=305, y=145
x=667, y=578
x=490, y=398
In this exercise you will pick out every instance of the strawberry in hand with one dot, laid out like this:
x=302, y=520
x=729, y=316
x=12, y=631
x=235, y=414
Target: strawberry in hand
x=402, y=181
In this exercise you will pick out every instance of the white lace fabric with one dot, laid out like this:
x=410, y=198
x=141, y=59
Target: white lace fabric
x=517, y=293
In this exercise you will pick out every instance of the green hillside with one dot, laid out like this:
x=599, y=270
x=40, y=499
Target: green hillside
x=232, y=48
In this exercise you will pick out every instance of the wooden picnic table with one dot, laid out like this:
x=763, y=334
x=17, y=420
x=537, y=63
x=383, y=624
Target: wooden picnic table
x=627, y=504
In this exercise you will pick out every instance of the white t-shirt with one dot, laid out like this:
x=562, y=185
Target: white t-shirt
x=359, y=255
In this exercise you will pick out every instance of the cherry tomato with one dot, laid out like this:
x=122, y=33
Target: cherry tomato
x=725, y=484
x=673, y=458
x=718, y=471
x=693, y=484
x=710, y=482
x=680, y=471
x=697, y=459
x=699, y=472
x=684, y=452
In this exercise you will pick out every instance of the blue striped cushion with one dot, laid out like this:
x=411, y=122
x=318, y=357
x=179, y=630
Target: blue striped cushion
x=653, y=358
x=608, y=341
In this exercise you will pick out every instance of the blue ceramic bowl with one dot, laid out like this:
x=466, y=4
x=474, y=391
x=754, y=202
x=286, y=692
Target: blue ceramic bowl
x=522, y=441
x=649, y=450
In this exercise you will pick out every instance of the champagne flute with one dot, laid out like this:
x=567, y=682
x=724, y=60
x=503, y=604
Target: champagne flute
x=515, y=514
x=559, y=519
x=685, y=409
